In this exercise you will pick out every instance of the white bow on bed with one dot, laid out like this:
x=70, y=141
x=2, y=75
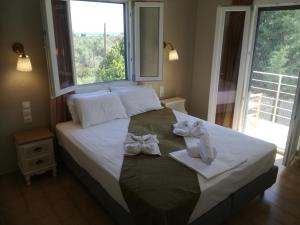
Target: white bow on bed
x=147, y=144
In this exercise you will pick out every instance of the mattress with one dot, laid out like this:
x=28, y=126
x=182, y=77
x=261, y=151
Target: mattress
x=99, y=150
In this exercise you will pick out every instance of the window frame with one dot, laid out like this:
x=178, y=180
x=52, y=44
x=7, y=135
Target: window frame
x=126, y=42
x=130, y=47
x=137, y=7
x=216, y=62
x=50, y=45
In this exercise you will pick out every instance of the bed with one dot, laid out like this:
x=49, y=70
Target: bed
x=95, y=155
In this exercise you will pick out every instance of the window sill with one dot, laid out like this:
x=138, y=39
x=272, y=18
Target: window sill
x=103, y=85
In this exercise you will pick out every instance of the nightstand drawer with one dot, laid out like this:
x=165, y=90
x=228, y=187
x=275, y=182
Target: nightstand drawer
x=38, y=163
x=37, y=148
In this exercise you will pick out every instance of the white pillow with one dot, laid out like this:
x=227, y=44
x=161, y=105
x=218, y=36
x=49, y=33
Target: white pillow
x=71, y=102
x=97, y=109
x=139, y=100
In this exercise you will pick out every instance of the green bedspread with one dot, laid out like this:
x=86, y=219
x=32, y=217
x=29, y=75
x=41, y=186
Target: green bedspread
x=158, y=190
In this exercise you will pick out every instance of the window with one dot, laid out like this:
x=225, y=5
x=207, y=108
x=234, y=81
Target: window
x=98, y=41
x=148, y=41
x=90, y=42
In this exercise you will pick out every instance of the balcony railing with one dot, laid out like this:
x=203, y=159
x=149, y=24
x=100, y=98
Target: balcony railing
x=277, y=92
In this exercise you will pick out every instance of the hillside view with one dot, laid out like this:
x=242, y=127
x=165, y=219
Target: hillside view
x=96, y=63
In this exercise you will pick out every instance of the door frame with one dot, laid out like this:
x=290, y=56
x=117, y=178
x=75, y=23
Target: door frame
x=216, y=62
x=292, y=140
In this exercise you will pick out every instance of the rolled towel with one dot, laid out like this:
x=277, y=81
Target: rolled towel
x=193, y=150
x=203, y=149
x=207, y=152
x=147, y=144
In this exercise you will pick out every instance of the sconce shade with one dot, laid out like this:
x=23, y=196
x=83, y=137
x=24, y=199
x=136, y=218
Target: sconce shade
x=173, y=55
x=24, y=64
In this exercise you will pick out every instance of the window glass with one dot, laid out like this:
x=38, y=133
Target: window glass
x=62, y=42
x=99, y=41
x=149, y=41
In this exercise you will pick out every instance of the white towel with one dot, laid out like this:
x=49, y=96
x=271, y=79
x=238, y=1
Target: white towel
x=224, y=161
x=202, y=148
x=197, y=129
x=185, y=129
x=182, y=128
x=147, y=144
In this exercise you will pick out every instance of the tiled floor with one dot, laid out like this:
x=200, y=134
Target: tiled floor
x=63, y=201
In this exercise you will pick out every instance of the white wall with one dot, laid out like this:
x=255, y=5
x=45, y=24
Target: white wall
x=20, y=21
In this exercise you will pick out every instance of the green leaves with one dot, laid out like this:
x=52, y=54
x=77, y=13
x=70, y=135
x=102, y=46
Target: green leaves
x=278, y=42
x=94, y=64
x=113, y=65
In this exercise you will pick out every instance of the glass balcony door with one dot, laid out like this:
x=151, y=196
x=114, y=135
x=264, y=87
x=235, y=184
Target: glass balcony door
x=228, y=68
x=270, y=108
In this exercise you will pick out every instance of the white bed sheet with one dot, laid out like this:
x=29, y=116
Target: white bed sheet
x=99, y=150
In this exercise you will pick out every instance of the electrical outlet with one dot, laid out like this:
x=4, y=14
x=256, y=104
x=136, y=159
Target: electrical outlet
x=161, y=91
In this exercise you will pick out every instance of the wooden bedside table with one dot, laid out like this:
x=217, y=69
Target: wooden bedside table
x=35, y=152
x=176, y=103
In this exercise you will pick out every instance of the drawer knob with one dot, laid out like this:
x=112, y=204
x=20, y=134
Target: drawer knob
x=38, y=149
x=39, y=162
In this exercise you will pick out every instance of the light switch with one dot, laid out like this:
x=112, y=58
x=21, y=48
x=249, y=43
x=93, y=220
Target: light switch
x=26, y=112
x=26, y=105
x=26, y=109
x=28, y=119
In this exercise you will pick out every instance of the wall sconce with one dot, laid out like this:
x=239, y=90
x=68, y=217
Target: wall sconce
x=173, y=55
x=23, y=63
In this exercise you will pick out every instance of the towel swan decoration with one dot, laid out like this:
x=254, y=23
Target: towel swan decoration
x=201, y=149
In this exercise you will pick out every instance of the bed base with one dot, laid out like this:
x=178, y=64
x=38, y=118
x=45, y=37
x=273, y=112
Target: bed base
x=216, y=215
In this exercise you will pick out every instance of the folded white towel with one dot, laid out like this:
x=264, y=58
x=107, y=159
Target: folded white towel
x=224, y=161
x=185, y=129
x=147, y=144
x=202, y=149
